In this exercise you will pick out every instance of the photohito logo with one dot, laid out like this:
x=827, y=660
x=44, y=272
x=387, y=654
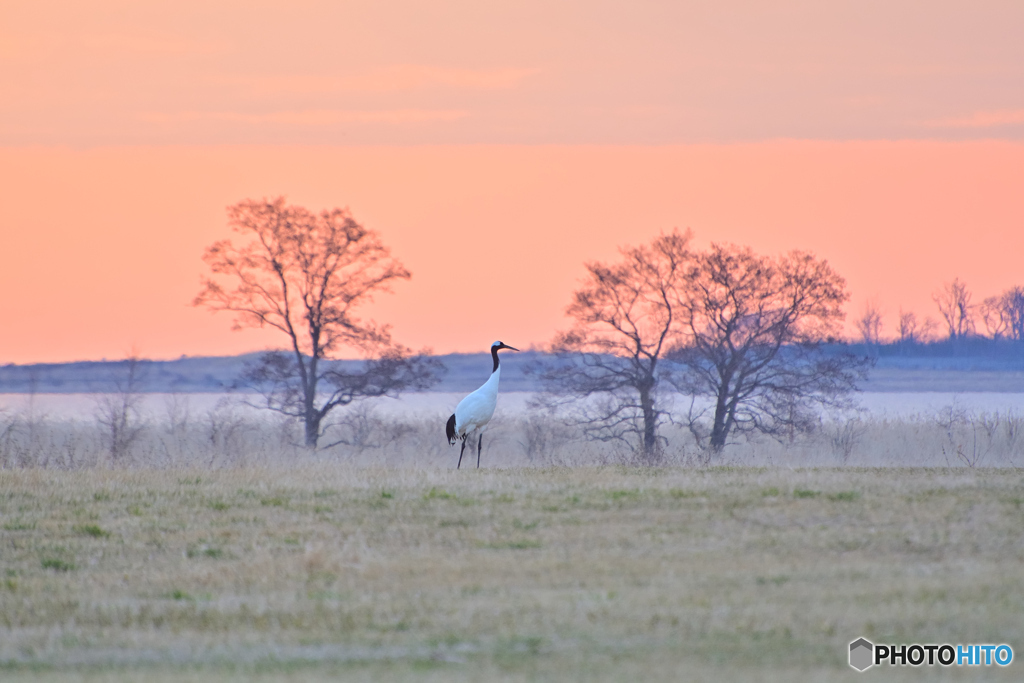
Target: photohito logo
x=864, y=654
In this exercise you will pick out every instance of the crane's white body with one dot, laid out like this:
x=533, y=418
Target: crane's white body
x=476, y=410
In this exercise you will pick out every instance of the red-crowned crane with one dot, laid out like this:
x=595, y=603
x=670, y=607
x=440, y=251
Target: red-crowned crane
x=475, y=411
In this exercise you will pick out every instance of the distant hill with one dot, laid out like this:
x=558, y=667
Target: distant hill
x=975, y=364
x=967, y=366
x=219, y=373
x=972, y=354
x=191, y=375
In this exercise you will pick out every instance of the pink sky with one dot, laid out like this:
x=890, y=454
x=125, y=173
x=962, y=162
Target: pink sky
x=495, y=146
x=530, y=71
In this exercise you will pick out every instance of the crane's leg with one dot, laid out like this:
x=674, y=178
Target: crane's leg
x=461, y=451
x=479, y=445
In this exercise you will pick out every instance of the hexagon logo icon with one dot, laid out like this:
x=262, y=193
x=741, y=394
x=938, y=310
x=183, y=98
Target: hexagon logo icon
x=862, y=654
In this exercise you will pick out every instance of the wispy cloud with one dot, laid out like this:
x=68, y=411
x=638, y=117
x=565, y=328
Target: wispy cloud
x=311, y=117
x=981, y=119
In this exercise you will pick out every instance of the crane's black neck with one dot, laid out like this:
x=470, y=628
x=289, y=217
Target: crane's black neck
x=494, y=355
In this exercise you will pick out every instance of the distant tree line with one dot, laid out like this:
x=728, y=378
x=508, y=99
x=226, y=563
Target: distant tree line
x=996, y=318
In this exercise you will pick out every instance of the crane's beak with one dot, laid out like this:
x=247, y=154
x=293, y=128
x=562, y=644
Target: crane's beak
x=506, y=346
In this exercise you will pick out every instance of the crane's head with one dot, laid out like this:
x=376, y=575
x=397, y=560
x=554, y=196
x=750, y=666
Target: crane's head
x=499, y=345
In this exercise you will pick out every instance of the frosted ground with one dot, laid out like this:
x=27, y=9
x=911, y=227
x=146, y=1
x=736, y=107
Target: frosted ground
x=891, y=429
x=513, y=403
x=329, y=572
x=214, y=547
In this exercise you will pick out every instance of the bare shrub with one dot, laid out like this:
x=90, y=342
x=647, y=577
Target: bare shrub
x=175, y=427
x=971, y=438
x=179, y=414
x=362, y=427
x=845, y=436
x=8, y=450
x=1013, y=427
x=119, y=413
x=540, y=436
x=951, y=418
x=359, y=428
x=224, y=429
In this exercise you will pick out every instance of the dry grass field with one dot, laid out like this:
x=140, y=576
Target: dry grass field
x=591, y=573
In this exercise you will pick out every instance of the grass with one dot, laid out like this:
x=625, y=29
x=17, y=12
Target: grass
x=57, y=564
x=93, y=530
x=330, y=572
x=230, y=437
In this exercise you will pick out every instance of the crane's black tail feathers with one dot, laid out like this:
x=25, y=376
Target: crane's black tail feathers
x=450, y=430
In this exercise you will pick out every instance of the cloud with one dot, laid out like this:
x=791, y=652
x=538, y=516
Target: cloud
x=981, y=119
x=311, y=117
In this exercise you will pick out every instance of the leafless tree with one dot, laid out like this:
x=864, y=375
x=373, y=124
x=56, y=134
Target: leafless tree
x=278, y=377
x=869, y=325
x=741, y=329
x=1004, y=314
x=306, y=275
x=753, y=343
x=911, y=330
x=626, y=318
x=1013, y=310
x=954, y=302
x=119, y=413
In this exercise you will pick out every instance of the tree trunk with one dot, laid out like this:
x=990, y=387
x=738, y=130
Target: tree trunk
x=312, y=418
x=650, y=444
x=720, y=429
x=312, y=423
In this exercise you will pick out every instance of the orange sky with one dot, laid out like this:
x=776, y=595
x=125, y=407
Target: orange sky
x=523, y=72
x=102, y=247
x=495, y=146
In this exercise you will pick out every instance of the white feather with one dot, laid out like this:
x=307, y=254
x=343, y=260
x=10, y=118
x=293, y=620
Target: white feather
x=475, y=411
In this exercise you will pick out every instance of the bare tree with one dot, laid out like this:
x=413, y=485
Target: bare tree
x=279, y=378
x=744, y=330
x=626, y=319
x=753, y=344
x=869, y=325
x=911, y=330
x=119, y=413
x=1004, y=314
x=306, y=275
x=1012, y=302
x=954, y=302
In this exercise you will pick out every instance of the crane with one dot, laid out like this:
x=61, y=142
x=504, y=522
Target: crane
x=475, y=411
